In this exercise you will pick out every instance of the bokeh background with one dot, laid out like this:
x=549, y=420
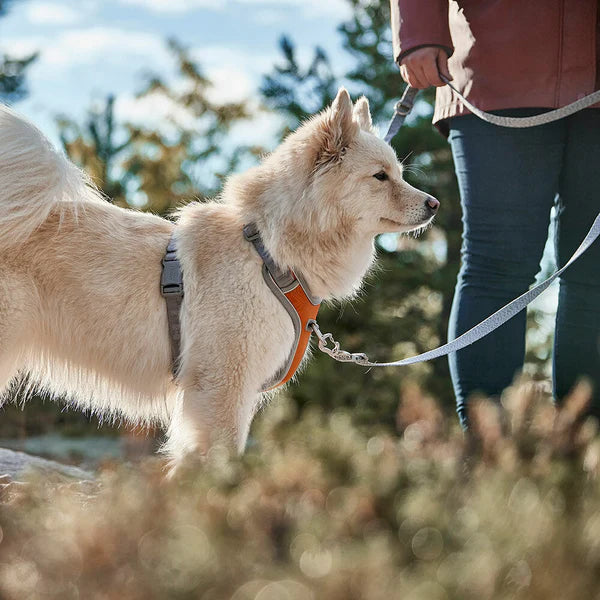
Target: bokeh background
x=159, y=100
x=356, y=485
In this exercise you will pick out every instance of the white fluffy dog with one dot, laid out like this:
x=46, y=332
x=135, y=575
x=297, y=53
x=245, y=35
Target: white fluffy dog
x=81, y=314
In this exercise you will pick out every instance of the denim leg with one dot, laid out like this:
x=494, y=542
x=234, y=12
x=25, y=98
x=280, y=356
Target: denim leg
x=508, y=180
x=577, y=337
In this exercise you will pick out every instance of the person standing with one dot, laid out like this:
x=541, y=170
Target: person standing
x=516, y=59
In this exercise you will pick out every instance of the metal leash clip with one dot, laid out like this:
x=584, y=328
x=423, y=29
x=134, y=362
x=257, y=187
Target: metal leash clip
x=402, y=107
x=336, y=352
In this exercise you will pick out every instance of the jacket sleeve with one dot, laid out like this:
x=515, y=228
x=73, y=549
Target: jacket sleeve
x=418, y=23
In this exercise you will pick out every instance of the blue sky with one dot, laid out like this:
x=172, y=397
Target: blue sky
x=89, y=48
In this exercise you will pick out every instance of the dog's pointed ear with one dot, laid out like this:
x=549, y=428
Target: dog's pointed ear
x=336, y=130
x=362, y=114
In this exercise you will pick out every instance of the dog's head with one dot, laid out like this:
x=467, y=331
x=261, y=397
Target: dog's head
x=359, y=174
x=322, y=196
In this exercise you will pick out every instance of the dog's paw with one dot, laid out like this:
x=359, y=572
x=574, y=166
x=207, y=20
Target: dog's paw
x=173, y=470
x=178, y=468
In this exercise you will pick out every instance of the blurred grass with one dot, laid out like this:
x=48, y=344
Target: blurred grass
x=321, y=508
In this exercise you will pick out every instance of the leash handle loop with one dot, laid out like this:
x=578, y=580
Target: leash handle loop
x=405, y=104
x=524, y=122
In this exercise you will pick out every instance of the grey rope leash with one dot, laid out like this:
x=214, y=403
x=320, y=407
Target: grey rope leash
x=404, y=106
x=401, y=110
x=466, y=339
x=534, y=121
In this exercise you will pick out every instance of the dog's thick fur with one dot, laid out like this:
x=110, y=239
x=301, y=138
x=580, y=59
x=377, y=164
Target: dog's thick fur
x=81, y=313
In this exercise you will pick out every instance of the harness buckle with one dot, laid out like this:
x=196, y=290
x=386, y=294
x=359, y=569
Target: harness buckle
x=251, y=232
x=171, y=283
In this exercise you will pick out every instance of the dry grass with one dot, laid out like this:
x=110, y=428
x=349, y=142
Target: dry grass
x=320, y=509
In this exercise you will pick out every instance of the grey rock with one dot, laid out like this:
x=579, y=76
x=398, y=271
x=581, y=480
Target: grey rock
x=19, y=465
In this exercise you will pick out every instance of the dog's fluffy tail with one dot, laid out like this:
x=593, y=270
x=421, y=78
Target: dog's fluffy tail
x=35, y=180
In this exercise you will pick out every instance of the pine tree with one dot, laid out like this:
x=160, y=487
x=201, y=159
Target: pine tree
x=93, y=146
x=12, y=70
x=159, y=168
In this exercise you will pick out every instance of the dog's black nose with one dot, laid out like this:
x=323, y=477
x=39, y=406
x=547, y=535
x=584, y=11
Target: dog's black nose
x=432, y=204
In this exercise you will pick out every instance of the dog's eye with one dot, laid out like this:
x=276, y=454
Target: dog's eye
x=381, y=176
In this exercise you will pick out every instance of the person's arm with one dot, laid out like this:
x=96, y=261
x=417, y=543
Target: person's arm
x=421, y=40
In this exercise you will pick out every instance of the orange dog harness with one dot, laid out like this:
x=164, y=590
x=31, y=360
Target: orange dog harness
x=291, y=290
x=293, y=293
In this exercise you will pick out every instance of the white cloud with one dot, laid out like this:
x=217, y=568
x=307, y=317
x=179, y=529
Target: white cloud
x=234, y=72
x=23, y=46
x=75, y=66
x=235, y=75
x=269, y=17
x=176, y=6
x=261, y=130
x=231, y=56
x=51, y=13
x=105, y=54
x=152, y=110
x=229, y=85
x=157, y=111
x=338, y=8
x=95, y=46
x=312, y=8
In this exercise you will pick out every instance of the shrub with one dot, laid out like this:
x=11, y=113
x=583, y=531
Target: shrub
x=320, y=508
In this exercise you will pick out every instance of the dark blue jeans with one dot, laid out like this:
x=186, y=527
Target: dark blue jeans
x=509, y=180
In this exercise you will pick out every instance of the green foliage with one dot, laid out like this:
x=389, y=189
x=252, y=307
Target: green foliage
x=159, y=168
x=99, y=155
x=299, y=92
x=12, y=77
x=322, y=509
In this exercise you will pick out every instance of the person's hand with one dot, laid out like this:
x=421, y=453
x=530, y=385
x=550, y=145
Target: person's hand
x=421, y=68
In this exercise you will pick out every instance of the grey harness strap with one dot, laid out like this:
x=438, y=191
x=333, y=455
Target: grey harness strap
x=279, y=282
x=171, y=288
x=285, y=280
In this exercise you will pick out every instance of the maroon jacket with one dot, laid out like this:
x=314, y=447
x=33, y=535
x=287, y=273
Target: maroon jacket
x=505, y=53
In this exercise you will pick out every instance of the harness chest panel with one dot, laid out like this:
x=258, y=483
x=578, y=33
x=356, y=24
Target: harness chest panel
x=292, y=291
x=306, y=311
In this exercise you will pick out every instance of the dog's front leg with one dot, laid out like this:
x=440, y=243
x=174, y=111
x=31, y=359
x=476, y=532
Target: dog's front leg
x=204, y=419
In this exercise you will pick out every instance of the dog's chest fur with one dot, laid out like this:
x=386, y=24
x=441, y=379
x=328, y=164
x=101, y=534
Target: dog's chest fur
x=229, y=312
